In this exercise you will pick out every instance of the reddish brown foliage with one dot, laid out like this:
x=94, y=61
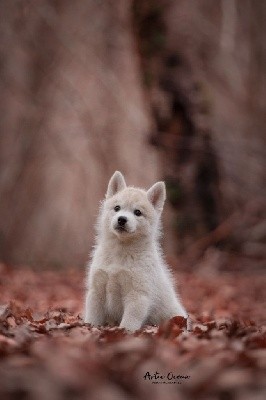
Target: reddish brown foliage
x=46, y=352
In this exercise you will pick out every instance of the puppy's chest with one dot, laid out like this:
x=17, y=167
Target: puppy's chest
x=114, y=284
x=113, y=280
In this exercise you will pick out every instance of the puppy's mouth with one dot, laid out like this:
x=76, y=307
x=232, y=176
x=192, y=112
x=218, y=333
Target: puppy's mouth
x=121, y=228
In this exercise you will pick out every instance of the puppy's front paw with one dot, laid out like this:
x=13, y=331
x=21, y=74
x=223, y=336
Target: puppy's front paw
x=130, y=327
x=93, y=320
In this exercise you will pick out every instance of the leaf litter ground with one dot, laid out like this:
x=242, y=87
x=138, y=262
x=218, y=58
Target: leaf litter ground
x=47, y=352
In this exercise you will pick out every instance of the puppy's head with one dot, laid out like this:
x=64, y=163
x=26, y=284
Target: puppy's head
x=129, y=212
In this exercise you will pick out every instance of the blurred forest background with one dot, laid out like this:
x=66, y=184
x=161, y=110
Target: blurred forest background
x=172, y=90
x=159, y=89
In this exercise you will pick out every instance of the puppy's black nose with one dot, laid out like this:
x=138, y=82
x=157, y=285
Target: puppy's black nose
x=122, y=221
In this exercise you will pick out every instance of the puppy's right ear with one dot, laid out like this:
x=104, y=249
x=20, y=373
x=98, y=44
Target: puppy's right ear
x=116, y=183
x=157, y=195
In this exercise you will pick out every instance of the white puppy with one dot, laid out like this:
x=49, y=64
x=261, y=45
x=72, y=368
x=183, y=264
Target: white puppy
x=129, y=283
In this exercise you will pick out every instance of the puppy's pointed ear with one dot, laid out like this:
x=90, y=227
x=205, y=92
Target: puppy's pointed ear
x=116, y=183
x=157, y=195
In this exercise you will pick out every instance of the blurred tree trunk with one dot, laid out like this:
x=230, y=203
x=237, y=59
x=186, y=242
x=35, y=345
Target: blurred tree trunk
x=223, y=44
x=72, y=111
x=208, y=91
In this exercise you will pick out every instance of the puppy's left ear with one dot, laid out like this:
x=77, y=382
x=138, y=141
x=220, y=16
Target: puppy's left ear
x=157, y=195
x=116, y=183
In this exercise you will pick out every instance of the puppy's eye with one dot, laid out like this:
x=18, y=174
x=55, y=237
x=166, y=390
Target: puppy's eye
x=137, y=213
x=117, y=208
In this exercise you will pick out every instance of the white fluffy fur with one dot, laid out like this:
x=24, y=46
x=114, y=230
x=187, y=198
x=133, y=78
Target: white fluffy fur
x=129, y=283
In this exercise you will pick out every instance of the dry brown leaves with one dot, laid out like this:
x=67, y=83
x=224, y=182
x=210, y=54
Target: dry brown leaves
x=47, y=352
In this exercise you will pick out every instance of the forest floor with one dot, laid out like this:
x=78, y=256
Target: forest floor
x=47, y=352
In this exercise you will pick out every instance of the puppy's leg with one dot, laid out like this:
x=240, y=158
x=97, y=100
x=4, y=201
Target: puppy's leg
x=177, y=309
x=94, y=311
x=135, y=311
x=180, y=310
x=169, y=306
x=95, y=300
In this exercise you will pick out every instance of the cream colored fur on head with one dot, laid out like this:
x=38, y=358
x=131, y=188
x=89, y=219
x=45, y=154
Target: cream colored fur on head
x=129, y=283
